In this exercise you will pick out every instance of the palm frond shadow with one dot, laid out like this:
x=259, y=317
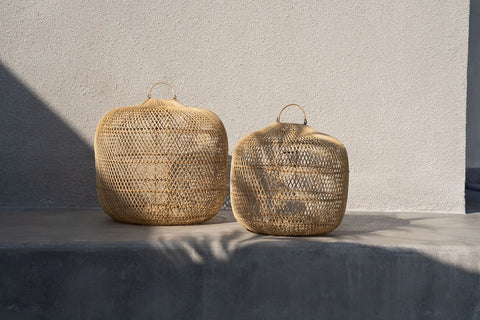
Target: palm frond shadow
x=268, y=274
x=275, y=195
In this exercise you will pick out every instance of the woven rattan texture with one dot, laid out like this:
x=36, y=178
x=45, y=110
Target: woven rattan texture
x=161, y=163
x=288, y=179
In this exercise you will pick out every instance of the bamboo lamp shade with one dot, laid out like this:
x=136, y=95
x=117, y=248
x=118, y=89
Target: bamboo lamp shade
x=161, y=163
x=289, y=179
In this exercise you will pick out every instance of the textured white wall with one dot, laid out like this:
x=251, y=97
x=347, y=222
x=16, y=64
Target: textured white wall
x=387, y=78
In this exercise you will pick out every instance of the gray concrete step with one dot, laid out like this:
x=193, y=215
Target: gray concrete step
x=79, y=264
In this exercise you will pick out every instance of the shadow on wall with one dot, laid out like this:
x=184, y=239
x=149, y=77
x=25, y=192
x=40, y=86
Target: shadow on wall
x=472, y=196
x=43, y=162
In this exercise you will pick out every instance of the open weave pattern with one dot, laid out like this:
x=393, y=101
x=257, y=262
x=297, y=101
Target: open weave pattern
x=161, y=163
x=288, y=179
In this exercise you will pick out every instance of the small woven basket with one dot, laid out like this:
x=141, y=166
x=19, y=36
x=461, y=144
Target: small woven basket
x=289, y=179
x=161, y=163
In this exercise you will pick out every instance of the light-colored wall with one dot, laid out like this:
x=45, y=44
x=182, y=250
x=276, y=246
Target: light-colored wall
x=387, y=78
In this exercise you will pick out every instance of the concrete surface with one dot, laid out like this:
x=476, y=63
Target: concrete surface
x=387, y=78
x=79, y=264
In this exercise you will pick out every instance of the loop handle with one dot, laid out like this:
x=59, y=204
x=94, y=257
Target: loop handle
x=171, y=88
x=293, y=104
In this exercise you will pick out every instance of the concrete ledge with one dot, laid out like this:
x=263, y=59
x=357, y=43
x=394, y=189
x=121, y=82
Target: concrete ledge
x=79, y=264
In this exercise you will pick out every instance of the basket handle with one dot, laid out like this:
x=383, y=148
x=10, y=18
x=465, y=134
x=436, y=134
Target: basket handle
x=171, y=88
x=293, y=104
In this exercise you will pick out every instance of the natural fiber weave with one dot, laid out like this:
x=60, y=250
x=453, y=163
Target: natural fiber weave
x=289, y=179
x=161, y=163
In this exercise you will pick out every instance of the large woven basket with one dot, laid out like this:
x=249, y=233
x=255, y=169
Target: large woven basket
x=161, y=163
x=289, y=179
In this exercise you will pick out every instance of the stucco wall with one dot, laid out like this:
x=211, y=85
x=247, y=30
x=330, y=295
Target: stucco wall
x=387, y=78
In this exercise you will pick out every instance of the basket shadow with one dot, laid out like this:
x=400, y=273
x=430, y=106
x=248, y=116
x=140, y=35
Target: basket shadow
x=356, y=224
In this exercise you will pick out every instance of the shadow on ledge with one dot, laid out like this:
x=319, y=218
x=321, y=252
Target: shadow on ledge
x=99, y=269
x=352, y=224
x=234, y=278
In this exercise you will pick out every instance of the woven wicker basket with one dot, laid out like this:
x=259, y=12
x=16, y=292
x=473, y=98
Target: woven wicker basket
x=289, y=179
x=161, y=163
